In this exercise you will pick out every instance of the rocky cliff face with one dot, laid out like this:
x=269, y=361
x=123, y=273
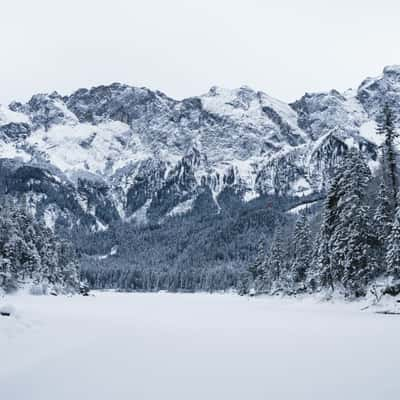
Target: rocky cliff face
x=120, y=152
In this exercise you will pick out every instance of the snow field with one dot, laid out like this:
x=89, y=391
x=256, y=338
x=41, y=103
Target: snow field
x=195, y=346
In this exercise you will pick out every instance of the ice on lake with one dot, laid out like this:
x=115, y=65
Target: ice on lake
x=195, y=346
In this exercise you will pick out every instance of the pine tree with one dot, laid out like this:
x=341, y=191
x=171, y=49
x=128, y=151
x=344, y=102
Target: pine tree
x=382, y=224
x=302, y=251
x=256, y=269
x=393, y=250
x=275, y=264
x=386, y=126
x=68, y=264
x=355, y=217
x=7, y=280
x=344, y=248
x=319, y=259
x=357, y=267
x=383, y=216
x=322, y=273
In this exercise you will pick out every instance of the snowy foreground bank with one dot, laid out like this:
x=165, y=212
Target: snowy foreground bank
x=195, y=346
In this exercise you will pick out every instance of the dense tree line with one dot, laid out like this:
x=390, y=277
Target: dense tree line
x=358, y=240
x=198, y=251
x=147, y=279
x=31, y=254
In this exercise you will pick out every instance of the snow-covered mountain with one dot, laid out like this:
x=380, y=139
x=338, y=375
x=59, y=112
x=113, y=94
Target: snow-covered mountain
x=121, y=152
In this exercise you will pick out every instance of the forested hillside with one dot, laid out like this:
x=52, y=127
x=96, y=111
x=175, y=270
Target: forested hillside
x=203, y=250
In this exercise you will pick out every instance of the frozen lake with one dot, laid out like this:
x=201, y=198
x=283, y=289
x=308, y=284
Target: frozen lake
x=185, y=346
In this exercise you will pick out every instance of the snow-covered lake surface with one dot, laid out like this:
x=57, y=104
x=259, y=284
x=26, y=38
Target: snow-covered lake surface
x=185, y=346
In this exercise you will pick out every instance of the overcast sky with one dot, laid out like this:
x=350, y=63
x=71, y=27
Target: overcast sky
x=183, y=47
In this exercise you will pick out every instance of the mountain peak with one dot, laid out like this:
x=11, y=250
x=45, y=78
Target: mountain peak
x=392, y=70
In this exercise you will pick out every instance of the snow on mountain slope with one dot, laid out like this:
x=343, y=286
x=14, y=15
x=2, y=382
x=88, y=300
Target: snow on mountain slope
x=9, y=150
x=12, y=125
x=257, y=111
x=100, y=149
x=8, y=116
x=127, y=149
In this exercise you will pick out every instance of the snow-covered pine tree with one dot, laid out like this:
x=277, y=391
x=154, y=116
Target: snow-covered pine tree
x=258, y=268
x=359, y=266
x=322, y=273
x=382, y=225
x=344, y=248
x=386, y=126
x=275, y=264
x=383, y=217
x=68, y=264
x=393, y=250
x=302, y=252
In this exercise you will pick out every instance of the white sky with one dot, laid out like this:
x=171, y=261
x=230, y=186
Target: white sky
x=183, y=47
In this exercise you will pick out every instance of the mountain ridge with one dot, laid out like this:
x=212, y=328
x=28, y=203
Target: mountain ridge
x=119, y=152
